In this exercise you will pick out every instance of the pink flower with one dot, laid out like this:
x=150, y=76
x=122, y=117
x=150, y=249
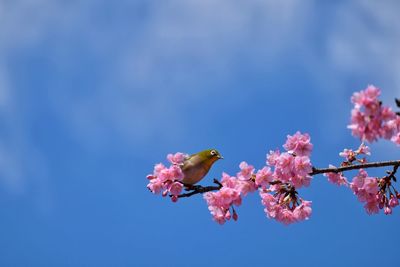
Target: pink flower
x=299, y=144
x=363, y=150
x=293, y=169
x=167, y=180
x=246, y=171
x=303, y=212
x=393, y=202
x=175, y=188
x=302, y=165
x=284, y=209
x=272, y=157
x=348, y=154
x=264, y=177
x=371, y=207
x=233, y=189
x=299, y=181
x=286, y=217
x=285, y=163
x=220, y=202
x=369, y=119
x=396, y=138
x=293, y=166
x=177, y=158
x=388, y=210
x=176, y=173
x=336, y=178
x=155, y=186
x=371, y=186
x=367, y=190
x=219, y=215
x=158, y=168
x=228, y=181
x=245, y=187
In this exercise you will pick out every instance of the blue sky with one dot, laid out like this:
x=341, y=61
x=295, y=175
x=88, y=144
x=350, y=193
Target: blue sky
x=93, y=93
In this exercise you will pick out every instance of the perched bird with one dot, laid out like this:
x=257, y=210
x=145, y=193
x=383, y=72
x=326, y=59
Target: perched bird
x=196, y=166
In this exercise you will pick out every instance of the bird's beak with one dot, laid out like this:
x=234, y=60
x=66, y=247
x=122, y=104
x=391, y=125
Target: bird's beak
x=220, y=157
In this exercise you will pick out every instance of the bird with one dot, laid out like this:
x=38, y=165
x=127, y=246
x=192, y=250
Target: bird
x=196, y=166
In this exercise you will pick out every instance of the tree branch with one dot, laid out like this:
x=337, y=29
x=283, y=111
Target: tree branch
x=356, y=167
x=198, y=189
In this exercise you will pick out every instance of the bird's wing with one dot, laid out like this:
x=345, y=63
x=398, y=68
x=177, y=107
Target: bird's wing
x=189, y=162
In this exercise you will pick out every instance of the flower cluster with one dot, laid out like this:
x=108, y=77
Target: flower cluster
x=336, y=178
x=351, y=156
x=284, y=205
x=294, y=165
x=291, y=170
x=366, y=189
x=370, y=120
x=233, y=188
x=168, y=179
x=377, y=193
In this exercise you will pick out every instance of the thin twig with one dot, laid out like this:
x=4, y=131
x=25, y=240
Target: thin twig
x=198, y=189
x=356, y=167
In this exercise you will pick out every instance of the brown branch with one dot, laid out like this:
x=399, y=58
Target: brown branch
x=198, y=189
x=356, y=167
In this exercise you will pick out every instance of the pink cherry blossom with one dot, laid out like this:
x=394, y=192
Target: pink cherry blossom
x=246, y=187
x=298, y=144
x=167, y=180
x=393, y=202
x=155, y=186
x=246, y=171
x=177, y=158
x=272, y=157
x=396, y=138
x=300, y=181
x=220, y=202
x=302, y=165
x=234, y=188
x=175, y=188
x=284, y=208
x=285, y=164
x=369, y=119
x=336, y=178
x=303, y=212
x=348, y=154
x=264, y=177
x=286, y=217
x=351, y=155
x=367, y=190
x=388, y=210
x=295, y=165
x=363, y=150
x=371, y=207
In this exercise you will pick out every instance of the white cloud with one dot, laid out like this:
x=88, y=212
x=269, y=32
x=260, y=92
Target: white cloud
x=153, y=68
x=366, y=41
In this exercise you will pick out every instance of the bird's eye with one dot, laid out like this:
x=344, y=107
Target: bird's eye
x=213, y=152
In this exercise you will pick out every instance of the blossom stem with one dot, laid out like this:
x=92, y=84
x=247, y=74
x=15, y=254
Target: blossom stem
x=394, y=163
x=315, y=171
x=202, y=189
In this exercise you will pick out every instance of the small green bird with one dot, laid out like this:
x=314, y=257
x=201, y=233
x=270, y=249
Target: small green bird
x=197, y=165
